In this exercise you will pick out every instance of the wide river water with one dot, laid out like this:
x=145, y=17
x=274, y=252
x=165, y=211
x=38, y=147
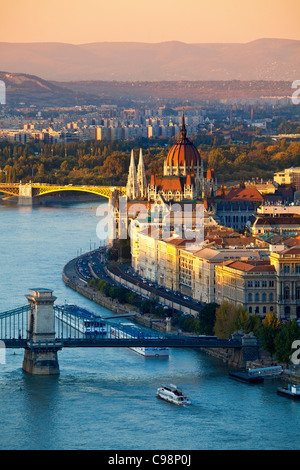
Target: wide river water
x=106, y=398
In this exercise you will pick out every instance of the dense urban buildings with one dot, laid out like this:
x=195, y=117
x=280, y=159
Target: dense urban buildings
x=249, y=253
x=248, y=226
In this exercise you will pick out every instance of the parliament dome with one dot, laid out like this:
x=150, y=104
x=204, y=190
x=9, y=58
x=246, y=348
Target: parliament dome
x=183, y=153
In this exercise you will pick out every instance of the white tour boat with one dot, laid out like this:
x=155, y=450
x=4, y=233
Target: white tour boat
x=130, y=330
x=173, y=394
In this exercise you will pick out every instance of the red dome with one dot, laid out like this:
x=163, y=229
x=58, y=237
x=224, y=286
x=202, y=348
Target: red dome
x=183, y=152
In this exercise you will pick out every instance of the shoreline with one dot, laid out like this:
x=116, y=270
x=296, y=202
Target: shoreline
x=72, y=279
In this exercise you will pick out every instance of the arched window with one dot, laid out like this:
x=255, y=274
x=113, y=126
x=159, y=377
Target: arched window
x=257, y=297
x=249, y=297
x=287, y=311
x=271, y=297
x=264, y=297
x=286, y=293
x=298, y=292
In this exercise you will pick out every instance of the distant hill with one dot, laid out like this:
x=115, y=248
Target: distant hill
x=29, y=90
x=263, y=59
x=32, y=90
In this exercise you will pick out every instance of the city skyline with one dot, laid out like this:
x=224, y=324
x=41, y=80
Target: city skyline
x=194, y=22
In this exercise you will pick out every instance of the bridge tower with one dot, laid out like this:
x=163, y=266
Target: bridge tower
x=40, y=356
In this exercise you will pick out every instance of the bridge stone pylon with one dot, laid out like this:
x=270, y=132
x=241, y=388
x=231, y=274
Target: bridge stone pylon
x=25, y=195
x=40, y=357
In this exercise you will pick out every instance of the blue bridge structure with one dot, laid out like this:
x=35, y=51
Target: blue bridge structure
x=42, y=329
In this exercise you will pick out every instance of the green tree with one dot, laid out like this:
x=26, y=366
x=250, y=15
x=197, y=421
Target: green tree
x=269, y=330
x=229, y=319
x=255, y=324
x=207, y=318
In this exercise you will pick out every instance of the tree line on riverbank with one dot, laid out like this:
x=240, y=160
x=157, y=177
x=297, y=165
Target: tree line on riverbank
x=213, y=319
x=107, y=163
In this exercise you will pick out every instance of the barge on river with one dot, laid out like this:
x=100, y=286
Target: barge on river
x=130, y=330
x=255, y=376
x=81, y=320
x=291, y=391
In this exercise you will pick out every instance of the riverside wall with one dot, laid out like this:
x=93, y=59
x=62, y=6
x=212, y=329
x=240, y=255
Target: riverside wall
x=71, y=279
x=233, y=357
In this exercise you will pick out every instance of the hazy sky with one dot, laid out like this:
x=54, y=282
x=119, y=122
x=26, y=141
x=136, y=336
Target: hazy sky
x=190, y=21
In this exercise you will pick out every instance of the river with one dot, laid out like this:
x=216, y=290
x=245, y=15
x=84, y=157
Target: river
x=106, y=398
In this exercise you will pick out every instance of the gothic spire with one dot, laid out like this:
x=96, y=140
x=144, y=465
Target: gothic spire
x=141, y=176
x=132, y=189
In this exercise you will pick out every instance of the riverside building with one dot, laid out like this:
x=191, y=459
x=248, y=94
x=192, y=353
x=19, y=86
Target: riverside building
x=263, y=286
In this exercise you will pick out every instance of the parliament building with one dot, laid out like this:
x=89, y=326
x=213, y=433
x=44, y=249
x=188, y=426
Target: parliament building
x=183, y=176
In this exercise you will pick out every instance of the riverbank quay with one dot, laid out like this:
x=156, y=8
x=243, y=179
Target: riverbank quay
x=73, y=279
x=93, y=264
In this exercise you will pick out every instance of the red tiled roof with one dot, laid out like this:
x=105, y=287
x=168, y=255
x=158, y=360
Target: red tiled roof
x=251, y=266
x=244, y=194
x=292, y=251
x=239, y=240
x=283, y=220
x=179, y=241
x=169, y=183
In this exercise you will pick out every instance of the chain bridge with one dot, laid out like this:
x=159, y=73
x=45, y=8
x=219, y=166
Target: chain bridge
x=42, y=329
x=28, y=192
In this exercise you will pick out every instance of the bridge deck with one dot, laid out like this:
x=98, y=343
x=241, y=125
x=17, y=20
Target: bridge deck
x=14, y=332
x=40, y=189
x=96, y=342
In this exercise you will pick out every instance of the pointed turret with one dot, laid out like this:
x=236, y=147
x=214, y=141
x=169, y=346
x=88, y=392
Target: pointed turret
x=183, y=128
x=152, y=180
x=132, y=188
x=141, y=177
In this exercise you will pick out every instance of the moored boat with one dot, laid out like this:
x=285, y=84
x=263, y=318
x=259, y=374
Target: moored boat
x=172, y=394
x=131, y=331
x=291, y=391
x=244, y=376
x=81, y=320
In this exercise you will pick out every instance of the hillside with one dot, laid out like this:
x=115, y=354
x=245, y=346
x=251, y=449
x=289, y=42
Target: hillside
x=32, y=90
x=263, y=59
x=24, y=89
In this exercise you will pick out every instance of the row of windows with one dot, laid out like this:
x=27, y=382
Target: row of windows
x=256, y=310
x=260, y=283
x=235, y=219
x=256, y=297
x=286, y=295
x=287, y=268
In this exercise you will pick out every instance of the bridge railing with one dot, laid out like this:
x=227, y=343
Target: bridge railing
x=14, y=323
x=14, y=332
